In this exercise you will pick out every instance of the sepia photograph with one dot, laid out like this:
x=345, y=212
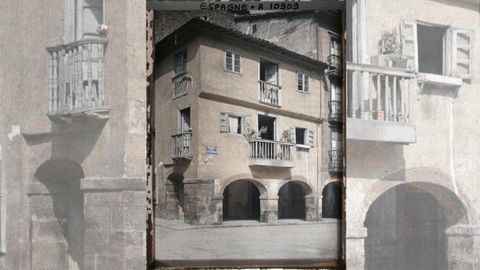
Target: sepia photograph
x=247, y=117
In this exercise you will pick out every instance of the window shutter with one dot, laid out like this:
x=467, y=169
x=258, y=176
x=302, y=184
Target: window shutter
x=462, y=53
x=246, y=124
x=408, y=31
x=224, y=123
x=310, y=138
x=292, y=135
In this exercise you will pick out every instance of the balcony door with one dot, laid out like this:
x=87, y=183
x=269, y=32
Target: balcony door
x=83, y=19
x=184, y=124
x=269, y=72
x=266, y=127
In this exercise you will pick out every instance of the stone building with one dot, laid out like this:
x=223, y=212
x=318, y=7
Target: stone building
x=72, y=122
x=412, y=134
x=243, y=128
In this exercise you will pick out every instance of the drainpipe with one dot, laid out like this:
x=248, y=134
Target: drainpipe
x=450, y=144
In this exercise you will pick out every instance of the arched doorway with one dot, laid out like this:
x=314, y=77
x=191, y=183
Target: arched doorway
x=332, y=200
x=56, y=210
x=241, y=201
x=291, y=201
x=406, y=227
x=174, y=196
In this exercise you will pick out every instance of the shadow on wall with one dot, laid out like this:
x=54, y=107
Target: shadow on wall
x=56, y=209
x=388, y=158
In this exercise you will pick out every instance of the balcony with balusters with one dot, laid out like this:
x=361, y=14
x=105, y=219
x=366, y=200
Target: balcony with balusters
x=182, y=146
x=335, y=111
x=77, y=79
x=271, y=153
x=270, y=93
x=335, y=160
x=379, y=103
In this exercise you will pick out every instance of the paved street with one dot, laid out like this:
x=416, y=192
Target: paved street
x=288, y=239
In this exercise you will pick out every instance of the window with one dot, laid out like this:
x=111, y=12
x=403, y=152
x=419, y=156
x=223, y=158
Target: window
x=235, y=124
x=300, y=135
x=254, y=28
x=269, y=72
x=335, y=45
x=185, y=125
x=302, y=82
x=180, y=62
x=232, y=62
x=437, y=49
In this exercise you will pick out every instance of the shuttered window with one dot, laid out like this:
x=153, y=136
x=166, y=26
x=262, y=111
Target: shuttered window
x=180, y=62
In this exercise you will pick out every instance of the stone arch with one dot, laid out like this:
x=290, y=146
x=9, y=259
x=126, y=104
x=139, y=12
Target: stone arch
x=257, y=182
x=56, y=214
x=421, y=177
x=309, y=191
x=241, y=199
x=332, y=200
x=296, y=199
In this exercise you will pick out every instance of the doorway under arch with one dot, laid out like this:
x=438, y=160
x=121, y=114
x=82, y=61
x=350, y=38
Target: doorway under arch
x=291, y=201
x=332, y=200
x=241, y=201
x=175, y=194
x=406, y=227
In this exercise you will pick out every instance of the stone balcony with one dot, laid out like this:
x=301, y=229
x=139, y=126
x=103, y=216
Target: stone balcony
x=77, y=78
x=335, y=111
x=379, y=103
x=270, y=93
x=271, y=153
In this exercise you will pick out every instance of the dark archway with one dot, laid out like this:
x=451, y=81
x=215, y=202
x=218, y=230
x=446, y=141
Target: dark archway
x=406, y=227
x=241, y=201
x=291, y=201
x=174, y=196
x=332, y=200
x=56, y=209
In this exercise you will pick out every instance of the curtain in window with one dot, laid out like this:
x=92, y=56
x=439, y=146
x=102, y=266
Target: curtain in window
x=233, y=124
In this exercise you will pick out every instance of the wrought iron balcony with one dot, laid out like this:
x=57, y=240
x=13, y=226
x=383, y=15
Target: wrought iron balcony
x=180, y=85
x=379, y=103
x=270, y=93
x=335, y=63
x=335, y=111
x=271, y=153
x=182, y=146
x=76, y=77
x=335, y=163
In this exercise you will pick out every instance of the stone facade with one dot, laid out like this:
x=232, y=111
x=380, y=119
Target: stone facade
x=73, y=150
x=411, y=198
x=195, y=183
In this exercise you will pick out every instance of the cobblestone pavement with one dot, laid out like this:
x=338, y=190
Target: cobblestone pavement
x=287, y=239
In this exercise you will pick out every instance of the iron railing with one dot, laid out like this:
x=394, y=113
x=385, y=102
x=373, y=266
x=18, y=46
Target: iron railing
x=182, y=146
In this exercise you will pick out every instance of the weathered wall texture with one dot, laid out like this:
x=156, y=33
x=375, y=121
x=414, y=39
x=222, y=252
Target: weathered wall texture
x=441, y=163
x=61, y=177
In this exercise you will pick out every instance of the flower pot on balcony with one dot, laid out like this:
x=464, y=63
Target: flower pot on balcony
x=379, y=115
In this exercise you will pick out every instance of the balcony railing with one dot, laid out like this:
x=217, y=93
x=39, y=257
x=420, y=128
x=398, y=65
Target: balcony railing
x=379, y=93
x=335, y=63
x=76, y=77
x=335, y=111
x=335, y=163
x=182, y=146
x=271, y=153
x=180, y=85
x=269, y=93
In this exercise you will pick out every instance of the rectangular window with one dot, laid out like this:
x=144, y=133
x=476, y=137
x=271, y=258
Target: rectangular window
x=235, y=124
x=300, y=135
x=185, y=125
x=180, y=62
x=302, y=82
x=232, y=61
x=335, y=45
x=431, y=48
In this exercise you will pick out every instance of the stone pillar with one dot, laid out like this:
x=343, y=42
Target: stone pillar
x=268, y=209
x=200, y=202
x=115, y=223
x=313, y=208
x=355, y=248
x=463, y=247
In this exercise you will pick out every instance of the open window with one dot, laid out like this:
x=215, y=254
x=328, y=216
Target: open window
x=438, y=51
x=266, y=127
x=234, y=123
x=269, y=72
x=185, y=124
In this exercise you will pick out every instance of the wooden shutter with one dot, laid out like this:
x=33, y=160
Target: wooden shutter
x=408, y=31
x=462, y=45
x=224, y=126
x=310, y=138
x=246, y=124
x=292, y=135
